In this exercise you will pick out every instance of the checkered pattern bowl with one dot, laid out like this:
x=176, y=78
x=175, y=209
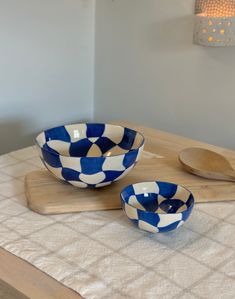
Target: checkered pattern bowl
x=157, y=206
x=90, y=155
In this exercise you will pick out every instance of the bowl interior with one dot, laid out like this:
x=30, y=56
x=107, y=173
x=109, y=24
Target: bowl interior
x=158, y=197
x=90, y=140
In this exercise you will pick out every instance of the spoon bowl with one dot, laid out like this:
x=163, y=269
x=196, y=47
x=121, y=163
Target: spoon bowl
x=206, y=163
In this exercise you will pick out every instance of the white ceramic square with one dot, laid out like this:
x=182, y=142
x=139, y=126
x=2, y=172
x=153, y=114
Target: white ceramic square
x=116, y=269
x=67, y=162
x=84, y=251
x=131, y=212
x=145, y=226
x=114, y=163
x=115, y=135
x=76, y=131
x=149, y=187
x=55, y=236
x=116, y=235
x=182, y=270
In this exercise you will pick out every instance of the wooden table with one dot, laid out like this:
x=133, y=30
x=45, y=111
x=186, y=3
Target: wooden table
x=21, y=280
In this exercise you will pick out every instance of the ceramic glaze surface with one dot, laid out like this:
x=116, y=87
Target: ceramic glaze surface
x=157, y=206
x=90, y=155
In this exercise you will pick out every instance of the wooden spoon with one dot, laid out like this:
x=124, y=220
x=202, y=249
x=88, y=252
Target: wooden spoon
x=206, y=163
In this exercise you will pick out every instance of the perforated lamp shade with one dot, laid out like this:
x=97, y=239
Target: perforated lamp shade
x=215, y=23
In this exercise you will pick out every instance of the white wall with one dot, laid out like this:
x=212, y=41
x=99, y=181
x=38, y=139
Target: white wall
x=148, y=71
x=46, y=66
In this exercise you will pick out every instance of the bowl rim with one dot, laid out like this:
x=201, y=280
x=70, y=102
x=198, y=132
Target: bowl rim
x=96, y=157
x=154, y=213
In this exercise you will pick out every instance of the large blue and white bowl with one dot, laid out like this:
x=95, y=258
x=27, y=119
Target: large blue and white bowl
x=157, y=206
x=90, y=155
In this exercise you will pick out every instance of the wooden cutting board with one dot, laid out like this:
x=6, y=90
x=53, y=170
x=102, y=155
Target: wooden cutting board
x=47, y=195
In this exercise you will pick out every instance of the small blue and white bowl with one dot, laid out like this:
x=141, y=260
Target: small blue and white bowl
x=157, y=206
x=90, y=155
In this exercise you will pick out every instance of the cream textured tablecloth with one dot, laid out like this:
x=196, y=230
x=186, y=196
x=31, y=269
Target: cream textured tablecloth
x=101, y=255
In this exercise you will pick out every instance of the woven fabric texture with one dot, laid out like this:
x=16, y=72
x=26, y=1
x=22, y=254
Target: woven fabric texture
x=102, y=255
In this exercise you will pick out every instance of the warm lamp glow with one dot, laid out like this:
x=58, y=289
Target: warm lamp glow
x=216, y=8
x=215, y=23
